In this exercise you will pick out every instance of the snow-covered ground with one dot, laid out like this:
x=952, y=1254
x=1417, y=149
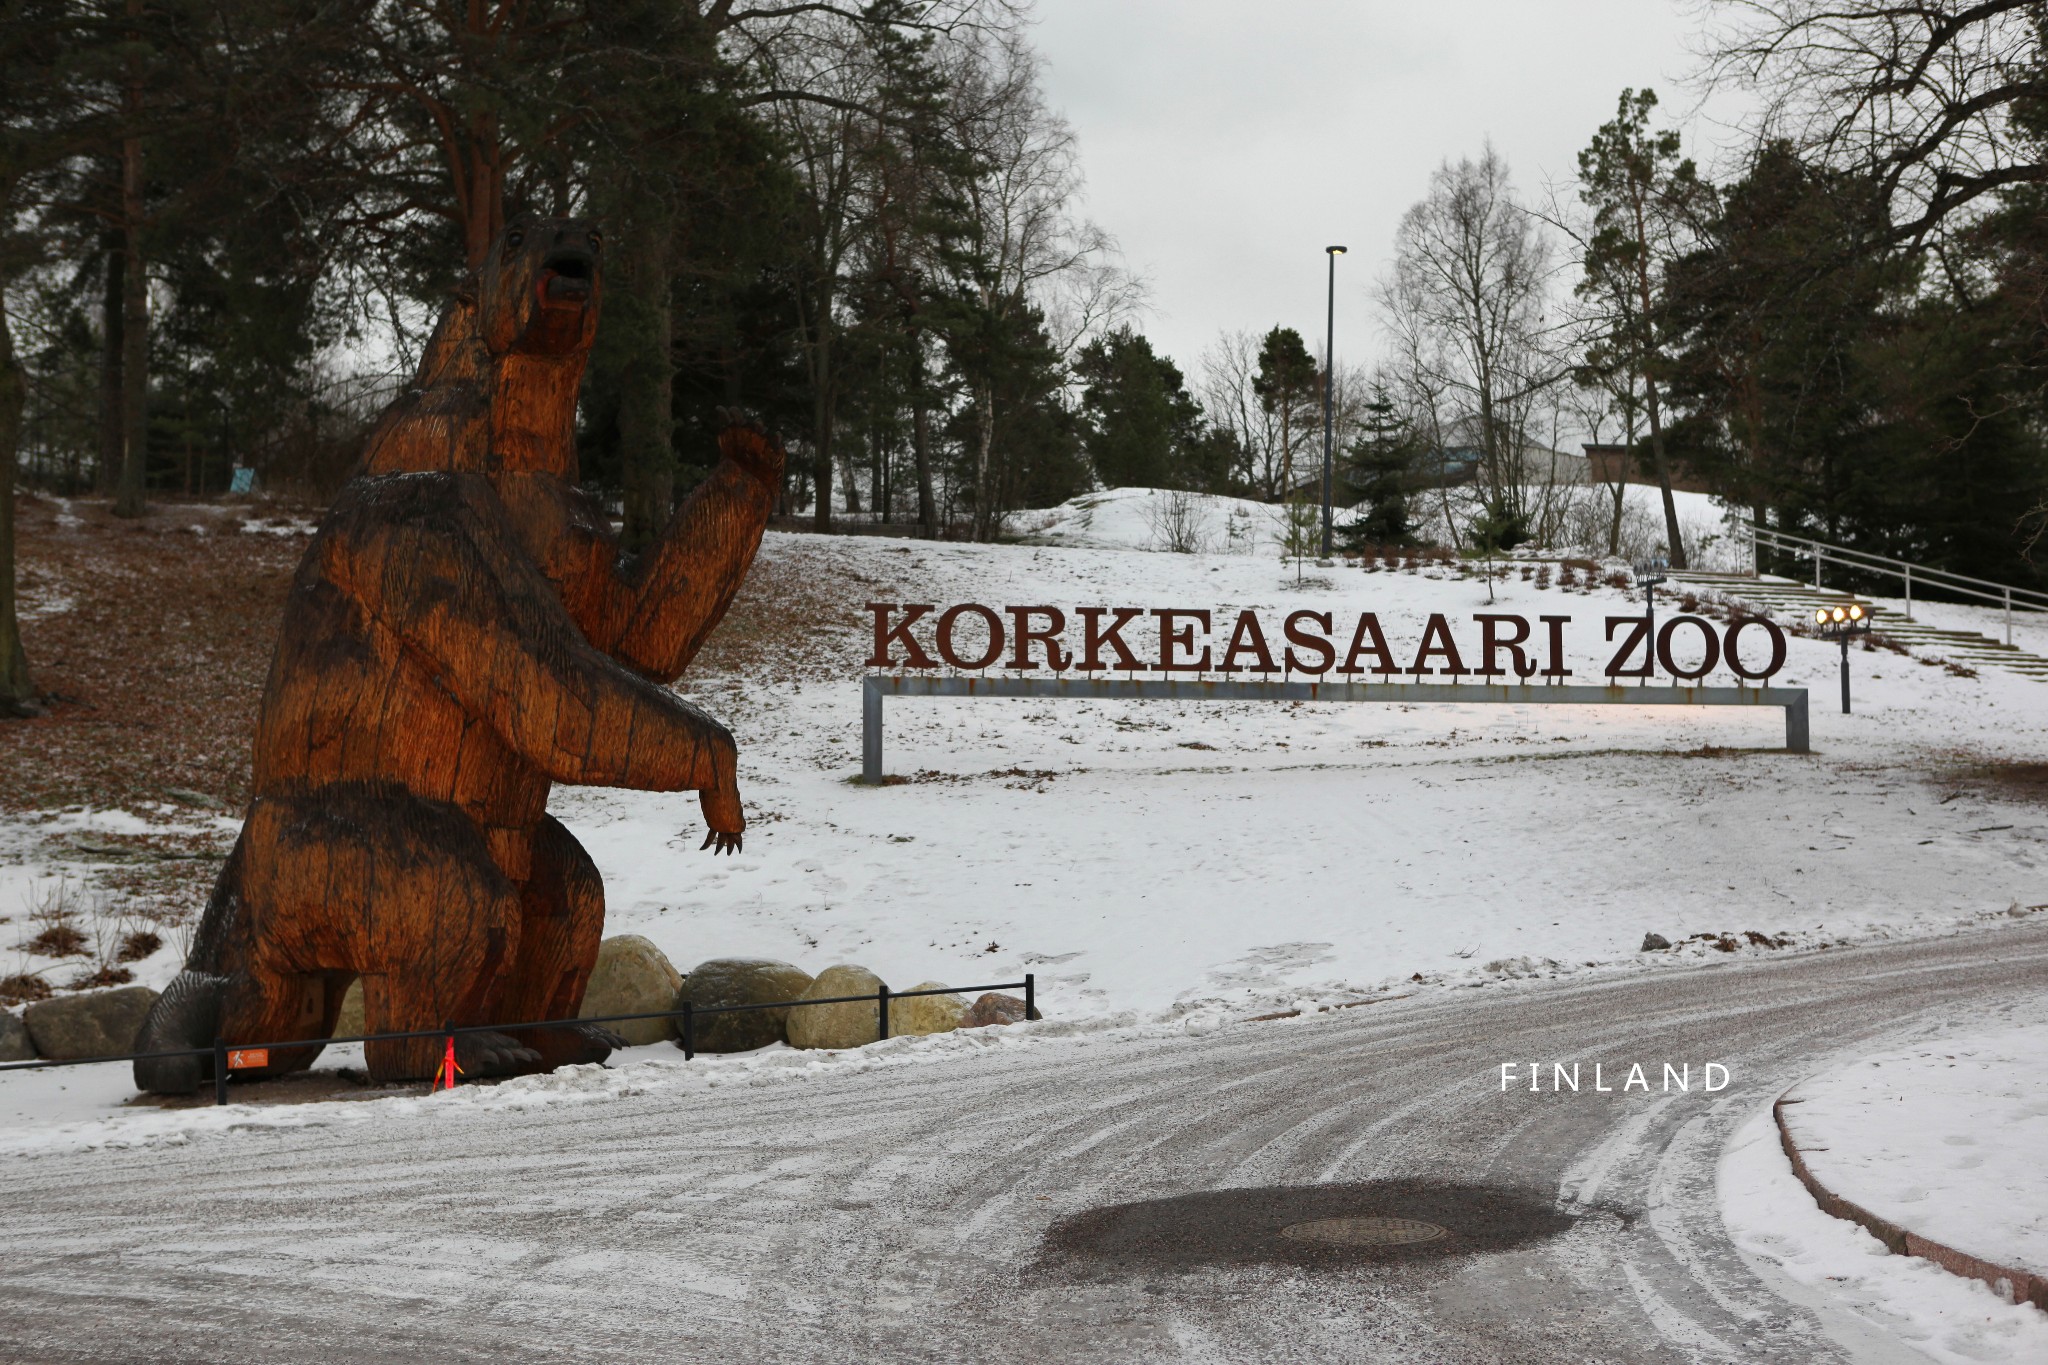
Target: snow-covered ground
x=1160, y=520
x=1151, y=855
x=1149, y=860
x=1943, y=1136
x=1155, y=519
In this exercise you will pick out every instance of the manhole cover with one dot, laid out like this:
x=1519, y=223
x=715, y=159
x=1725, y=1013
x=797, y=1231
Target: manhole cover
x=1363, y=1232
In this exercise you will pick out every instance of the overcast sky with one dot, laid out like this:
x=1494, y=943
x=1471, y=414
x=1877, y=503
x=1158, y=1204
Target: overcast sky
x=1227, y=142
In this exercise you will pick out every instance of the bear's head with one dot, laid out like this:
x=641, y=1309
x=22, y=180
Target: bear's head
x=538, y=290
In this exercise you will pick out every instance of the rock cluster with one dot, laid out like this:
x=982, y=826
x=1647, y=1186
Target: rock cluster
x=994, y=1008
x=90, y=1024
x=724, y=982
x=14, y=1040
x=634, y=977
x=852, y=1024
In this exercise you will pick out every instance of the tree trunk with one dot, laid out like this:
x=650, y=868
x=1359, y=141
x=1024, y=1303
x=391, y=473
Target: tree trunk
x=1675, y=543
x=129, y=500
x=1645, y=348
x=878, y=470
x=16, y=692
x=921, y=451
x=984, y=450
x=112, y=300
x=819, y=359
x=1286, y=451
x=821, y=439
x=640, y=309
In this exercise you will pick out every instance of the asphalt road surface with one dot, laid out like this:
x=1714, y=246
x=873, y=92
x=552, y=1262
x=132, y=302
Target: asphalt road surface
x=1084, y=1199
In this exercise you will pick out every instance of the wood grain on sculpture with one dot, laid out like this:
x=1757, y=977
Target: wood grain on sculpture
x=463, y=634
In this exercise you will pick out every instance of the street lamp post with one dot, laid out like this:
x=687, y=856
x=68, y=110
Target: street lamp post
x=1329, y=390
x=1841, y=623
x=1649, y=573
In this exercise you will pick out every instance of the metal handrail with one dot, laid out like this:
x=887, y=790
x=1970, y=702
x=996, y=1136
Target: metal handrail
x=1820, y=551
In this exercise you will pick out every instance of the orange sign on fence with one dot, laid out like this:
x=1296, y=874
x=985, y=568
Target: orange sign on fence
x=248, y=1058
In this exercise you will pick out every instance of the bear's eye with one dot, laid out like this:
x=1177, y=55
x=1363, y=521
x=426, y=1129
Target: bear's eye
x=514, y=239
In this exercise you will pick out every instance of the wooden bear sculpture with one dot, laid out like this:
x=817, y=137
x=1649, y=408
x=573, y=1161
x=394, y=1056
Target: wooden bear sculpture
x=462, y=634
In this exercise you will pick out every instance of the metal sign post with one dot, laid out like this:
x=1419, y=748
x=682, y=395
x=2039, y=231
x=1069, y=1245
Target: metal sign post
x=876, y=686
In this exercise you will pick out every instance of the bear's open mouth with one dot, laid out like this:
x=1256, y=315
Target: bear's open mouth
x=565, y=278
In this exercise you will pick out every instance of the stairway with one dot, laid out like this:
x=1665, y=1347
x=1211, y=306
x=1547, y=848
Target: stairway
x=1790, y=600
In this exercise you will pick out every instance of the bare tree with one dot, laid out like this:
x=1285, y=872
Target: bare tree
x=1027, y=248
x=1464, y=308
x=1917, y=94
x=1230, y=398
x=825, y=135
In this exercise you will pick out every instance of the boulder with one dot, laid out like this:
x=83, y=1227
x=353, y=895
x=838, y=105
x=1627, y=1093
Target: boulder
x=739, y=981
x=1654, y=943
x=853, y=1024
x=14, y=1041
x=993, y=1008
x=925, y=1013
x=349, y=1023
x=90, y=1024
x=631, y=977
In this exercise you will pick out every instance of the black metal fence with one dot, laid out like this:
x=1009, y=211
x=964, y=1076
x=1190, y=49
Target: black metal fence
x=225, y=1054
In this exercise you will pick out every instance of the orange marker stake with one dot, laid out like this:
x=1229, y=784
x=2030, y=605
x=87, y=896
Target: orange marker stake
x=448, y=1068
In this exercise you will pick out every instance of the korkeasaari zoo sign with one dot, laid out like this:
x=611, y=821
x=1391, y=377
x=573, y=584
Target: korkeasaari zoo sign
x=1197, y=641
x=1201, y=654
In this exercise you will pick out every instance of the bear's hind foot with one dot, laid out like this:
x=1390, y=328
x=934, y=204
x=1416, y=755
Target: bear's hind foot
x=482, y=1055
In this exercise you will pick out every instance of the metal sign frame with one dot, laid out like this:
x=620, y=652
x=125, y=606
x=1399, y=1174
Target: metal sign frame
x=876, y=686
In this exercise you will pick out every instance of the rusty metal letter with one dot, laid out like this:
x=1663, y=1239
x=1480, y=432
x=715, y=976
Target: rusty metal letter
x=1320, y=644
x=1247, y=638
x=1171, y=639
x=1734, y=658
x=1489, y=642
x=1368, y=637
x=1095, y=637
x=1024, y=636
x=1707, y=661
x=1639, y=634
x=1439, y=629
x=886, y=635
x=945, y=635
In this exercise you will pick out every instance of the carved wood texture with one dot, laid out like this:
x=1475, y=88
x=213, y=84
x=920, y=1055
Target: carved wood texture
x=462, y=634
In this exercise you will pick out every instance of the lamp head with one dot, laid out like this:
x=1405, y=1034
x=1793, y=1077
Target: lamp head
x=1334, y=250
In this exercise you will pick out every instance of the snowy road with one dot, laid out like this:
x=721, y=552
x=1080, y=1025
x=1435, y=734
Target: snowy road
x=901, y=1213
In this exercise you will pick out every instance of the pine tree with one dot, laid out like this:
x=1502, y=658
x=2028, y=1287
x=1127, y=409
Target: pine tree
x=1286, y=386
x=1379, y=467
x=1141, y=425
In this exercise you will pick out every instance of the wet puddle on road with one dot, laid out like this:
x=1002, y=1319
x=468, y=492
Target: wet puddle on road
x=1310, y=1225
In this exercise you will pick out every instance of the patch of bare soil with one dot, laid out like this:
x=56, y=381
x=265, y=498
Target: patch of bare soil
x=153, y=636
x=305, y=1087
x=2008, y=779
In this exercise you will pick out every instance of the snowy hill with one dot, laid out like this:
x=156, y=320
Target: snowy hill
x=1157, y=857
x=1204, y=523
